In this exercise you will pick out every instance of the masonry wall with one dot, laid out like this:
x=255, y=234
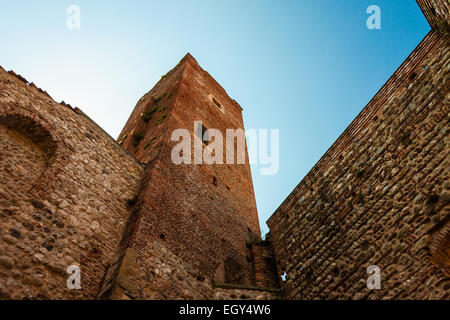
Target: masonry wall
x=64, y=186
x=163, y=275
x=379, y=196
x=203, y=214
x=437, y=13
x=264, y=268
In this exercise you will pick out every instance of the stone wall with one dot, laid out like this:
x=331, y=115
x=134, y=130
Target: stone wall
x=379, y=196
x=71, y=195
x=163, y=275
x=22, y=161
x=64, y=186
x=437, y=13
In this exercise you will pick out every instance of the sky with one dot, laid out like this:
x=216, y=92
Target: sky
x=305, y=67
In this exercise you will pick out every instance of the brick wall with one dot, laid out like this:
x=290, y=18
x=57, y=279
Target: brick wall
x=379, y=196
x=203, y=214
x=71, y=195
x=437, y=13
x=264, y=265
x=64, y=186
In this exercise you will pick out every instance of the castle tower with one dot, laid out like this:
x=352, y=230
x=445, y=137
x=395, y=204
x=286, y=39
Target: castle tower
x=204, y=214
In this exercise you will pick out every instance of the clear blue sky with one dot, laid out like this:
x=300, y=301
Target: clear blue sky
x=306, y=67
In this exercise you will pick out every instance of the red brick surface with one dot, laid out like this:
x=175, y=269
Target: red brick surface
x=202, y=213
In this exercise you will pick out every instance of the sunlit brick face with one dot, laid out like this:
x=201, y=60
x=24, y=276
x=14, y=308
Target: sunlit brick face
x=207, y=212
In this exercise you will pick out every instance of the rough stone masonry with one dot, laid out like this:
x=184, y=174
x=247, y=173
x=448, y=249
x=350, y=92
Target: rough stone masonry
x=380, y=195
x=140, y=227
x=137, y=225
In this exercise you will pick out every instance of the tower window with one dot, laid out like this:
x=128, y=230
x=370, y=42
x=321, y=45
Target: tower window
x=216, y=102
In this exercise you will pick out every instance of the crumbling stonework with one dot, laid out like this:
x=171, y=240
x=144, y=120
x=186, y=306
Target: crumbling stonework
x=379, y=196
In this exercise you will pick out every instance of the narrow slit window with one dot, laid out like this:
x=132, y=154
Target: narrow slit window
x=216, y=102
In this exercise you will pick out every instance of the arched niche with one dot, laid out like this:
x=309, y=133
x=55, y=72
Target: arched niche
x=26, y=150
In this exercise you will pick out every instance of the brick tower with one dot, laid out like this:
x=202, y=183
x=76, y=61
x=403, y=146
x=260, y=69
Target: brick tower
x=204, y=214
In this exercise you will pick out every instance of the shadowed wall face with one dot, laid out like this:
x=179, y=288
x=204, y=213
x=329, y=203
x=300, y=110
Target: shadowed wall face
x=384, y=198
x=203, y=213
